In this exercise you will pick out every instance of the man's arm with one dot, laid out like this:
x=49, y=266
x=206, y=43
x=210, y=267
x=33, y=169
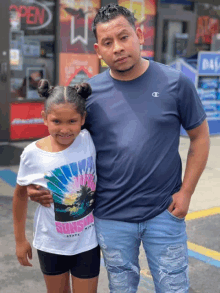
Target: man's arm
x=42, y=196
x=196, y=162
x=20, y=203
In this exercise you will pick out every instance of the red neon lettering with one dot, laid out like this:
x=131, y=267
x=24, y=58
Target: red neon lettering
x=40, y=15
x=23, y=10
x=13, y=7
x=29, y=15
x=33, y=14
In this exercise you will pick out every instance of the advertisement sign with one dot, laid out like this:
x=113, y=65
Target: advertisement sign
x=14, y=57
x=76, y=19
x=31, y=48
x=208, y=23
x=26, y=121
x=16, y=45
x=145, y=14
x=35, y=17
x=76, y=68
x=209, y=63
x=15, y=20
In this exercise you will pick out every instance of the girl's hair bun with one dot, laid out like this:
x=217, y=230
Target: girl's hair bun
x=83, y=89
x=44, y=89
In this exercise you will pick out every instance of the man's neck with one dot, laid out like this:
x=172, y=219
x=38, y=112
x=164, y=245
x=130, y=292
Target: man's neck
x=136, y=71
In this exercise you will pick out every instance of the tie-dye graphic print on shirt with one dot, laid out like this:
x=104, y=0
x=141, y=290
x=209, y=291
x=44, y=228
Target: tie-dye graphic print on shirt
x=73, y=187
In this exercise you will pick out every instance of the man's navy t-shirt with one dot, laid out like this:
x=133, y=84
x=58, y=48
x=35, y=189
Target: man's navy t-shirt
x=135, y=126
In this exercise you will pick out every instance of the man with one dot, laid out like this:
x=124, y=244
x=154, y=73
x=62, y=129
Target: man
x=134, y=117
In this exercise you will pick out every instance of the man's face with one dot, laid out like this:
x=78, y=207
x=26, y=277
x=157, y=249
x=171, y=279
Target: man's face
x=118, y=44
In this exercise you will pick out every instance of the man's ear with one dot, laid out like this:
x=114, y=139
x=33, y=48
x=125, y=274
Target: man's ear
x=44, y=116
x=96, y=47
x=140, y=35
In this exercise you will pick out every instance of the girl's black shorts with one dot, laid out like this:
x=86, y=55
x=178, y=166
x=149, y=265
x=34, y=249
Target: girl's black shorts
x=85, y=265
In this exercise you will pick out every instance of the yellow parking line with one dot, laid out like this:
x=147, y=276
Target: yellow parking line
x=199, y=251
x=203, y=213
x=203, y=250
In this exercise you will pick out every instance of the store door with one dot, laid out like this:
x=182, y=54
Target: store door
x=4, y=70
x=172, y=50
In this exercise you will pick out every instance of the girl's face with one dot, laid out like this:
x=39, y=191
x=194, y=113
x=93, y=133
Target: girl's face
x=64, y=124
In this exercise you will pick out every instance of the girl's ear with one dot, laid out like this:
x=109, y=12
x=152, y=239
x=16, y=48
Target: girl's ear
x=44, y=116
x=83, y=119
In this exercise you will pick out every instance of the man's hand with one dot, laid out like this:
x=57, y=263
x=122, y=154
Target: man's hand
x=37, y=194
x=180, y=205
x=23, y=253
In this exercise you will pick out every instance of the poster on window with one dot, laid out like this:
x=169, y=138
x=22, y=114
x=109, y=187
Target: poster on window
x=180, y=45
x=145, y=14
x=26, y=121
x=76, y=19
x=77, y=68
x=15, y=20
x=208, y=24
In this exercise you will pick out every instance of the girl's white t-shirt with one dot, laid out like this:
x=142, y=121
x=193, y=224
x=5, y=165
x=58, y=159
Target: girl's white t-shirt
x=67, y=227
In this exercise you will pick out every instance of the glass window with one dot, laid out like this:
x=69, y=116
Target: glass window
x=32, y=39
x=175, y=40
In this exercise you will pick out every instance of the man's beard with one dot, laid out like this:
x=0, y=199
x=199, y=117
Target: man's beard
x=125, y=70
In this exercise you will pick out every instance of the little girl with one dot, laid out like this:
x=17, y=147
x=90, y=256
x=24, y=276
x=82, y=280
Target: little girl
x=64, y=163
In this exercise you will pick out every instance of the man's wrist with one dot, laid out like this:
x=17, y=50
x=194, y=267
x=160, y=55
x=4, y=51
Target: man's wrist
x=188, y=192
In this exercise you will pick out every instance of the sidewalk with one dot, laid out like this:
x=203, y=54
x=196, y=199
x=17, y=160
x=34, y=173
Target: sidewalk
x=204, y=273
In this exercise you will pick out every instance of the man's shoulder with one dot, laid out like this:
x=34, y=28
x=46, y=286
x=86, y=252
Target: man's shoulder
x=101, y=77
x=165, y=69
x=100, y=84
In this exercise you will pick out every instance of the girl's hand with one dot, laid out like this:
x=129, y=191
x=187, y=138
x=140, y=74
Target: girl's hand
x=23, y=253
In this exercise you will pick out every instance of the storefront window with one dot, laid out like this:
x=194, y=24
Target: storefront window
x=32, y=39
x=175, y=40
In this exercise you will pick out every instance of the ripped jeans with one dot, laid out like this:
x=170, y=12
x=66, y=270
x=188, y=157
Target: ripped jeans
x=165, y=243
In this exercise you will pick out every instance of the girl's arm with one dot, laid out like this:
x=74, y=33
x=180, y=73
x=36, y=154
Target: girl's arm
x=20, y=203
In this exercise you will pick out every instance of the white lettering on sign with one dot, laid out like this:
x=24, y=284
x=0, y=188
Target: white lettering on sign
x=213, y=64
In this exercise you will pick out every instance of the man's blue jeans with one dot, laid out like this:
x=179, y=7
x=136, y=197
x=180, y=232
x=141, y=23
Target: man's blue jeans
x=165, y=243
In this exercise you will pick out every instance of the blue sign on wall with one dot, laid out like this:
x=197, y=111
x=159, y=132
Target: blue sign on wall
x=209, y=63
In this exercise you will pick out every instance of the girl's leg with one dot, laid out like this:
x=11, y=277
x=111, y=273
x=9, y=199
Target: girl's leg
x=85, y=271
x=55, y=269
x=84, y=285
x=58, y=283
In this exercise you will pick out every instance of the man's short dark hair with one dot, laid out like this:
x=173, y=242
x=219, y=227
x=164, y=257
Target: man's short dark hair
x=109, y=12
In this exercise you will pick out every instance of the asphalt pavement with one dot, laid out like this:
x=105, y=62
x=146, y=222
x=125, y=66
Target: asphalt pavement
x=203, y=225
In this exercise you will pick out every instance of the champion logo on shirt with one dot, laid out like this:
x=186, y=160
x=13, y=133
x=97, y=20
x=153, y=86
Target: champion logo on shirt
x=155, y=94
